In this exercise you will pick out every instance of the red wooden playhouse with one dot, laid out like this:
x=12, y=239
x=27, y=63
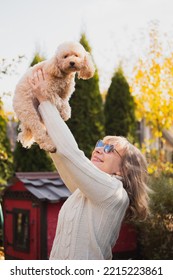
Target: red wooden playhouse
x=31, y=204
x=30, y=208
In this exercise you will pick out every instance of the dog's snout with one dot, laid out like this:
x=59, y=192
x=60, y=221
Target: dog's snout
x=72, y=63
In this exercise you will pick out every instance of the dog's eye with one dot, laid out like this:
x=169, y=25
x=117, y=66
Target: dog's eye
x=65, y=56
x=76, y=55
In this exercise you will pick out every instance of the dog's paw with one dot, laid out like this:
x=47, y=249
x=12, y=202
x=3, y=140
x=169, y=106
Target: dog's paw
x=65, y=112
x=65, y=117
x=48, y=147
x=52, y=150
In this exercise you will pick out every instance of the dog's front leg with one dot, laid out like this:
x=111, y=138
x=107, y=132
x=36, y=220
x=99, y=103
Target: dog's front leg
x=65, y=110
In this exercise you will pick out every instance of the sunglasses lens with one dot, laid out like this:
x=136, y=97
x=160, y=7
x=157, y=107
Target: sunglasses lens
x=108, y=148
x=100, y=143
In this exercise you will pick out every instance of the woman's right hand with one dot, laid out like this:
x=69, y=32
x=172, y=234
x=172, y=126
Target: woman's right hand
x=38, y=84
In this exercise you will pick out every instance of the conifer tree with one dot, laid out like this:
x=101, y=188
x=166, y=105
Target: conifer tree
x=120, y=108
x=6, y=160
x=87, y=120
x=33, y=159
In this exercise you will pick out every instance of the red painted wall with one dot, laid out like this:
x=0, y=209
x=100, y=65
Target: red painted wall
x=127, y=240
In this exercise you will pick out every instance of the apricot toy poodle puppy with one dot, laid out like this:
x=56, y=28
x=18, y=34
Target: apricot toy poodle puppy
x=69, y=59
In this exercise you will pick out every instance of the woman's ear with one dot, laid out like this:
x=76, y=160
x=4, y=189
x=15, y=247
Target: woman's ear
x=88, y=69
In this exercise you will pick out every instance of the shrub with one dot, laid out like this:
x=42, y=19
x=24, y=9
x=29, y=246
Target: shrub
x=156, y=233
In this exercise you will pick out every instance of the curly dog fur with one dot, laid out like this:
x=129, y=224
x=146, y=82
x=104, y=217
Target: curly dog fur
x=70, y=58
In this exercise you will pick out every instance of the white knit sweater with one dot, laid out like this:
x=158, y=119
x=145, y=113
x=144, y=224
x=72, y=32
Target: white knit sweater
x=89, y=221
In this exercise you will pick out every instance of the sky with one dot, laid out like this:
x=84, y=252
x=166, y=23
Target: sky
x=116, y=30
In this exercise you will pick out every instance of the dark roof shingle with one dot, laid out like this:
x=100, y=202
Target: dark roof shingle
x=44, y=185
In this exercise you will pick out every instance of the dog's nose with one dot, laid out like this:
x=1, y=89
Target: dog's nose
x=72, y=63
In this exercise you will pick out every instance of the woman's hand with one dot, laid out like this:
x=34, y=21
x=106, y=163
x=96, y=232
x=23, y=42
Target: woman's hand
x=38, y=85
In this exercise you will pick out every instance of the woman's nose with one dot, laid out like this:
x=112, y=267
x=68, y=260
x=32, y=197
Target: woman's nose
x=99, y=150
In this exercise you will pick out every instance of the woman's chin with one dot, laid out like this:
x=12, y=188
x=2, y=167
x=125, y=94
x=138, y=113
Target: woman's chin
x=98, y=164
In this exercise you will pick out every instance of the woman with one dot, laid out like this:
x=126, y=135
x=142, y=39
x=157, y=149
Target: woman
x=105, y=189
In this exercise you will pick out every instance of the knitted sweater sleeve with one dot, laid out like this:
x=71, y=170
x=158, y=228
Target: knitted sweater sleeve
x=75, y=169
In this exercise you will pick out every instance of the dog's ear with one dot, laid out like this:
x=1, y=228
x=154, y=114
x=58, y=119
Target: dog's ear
x=52, y=68
x=88, y=69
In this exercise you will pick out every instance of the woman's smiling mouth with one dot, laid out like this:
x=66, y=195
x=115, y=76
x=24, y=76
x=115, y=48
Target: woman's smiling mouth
x=97, y=159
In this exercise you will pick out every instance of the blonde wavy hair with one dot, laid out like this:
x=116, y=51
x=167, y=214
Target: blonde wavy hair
x=134, y=177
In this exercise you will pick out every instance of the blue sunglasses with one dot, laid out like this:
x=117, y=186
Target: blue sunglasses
x=106, y=147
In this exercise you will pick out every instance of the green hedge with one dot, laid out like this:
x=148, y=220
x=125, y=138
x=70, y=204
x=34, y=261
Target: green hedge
x=156, y=233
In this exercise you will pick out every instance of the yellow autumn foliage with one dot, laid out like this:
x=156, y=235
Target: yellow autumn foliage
x=152, y=87
x=156, y=160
